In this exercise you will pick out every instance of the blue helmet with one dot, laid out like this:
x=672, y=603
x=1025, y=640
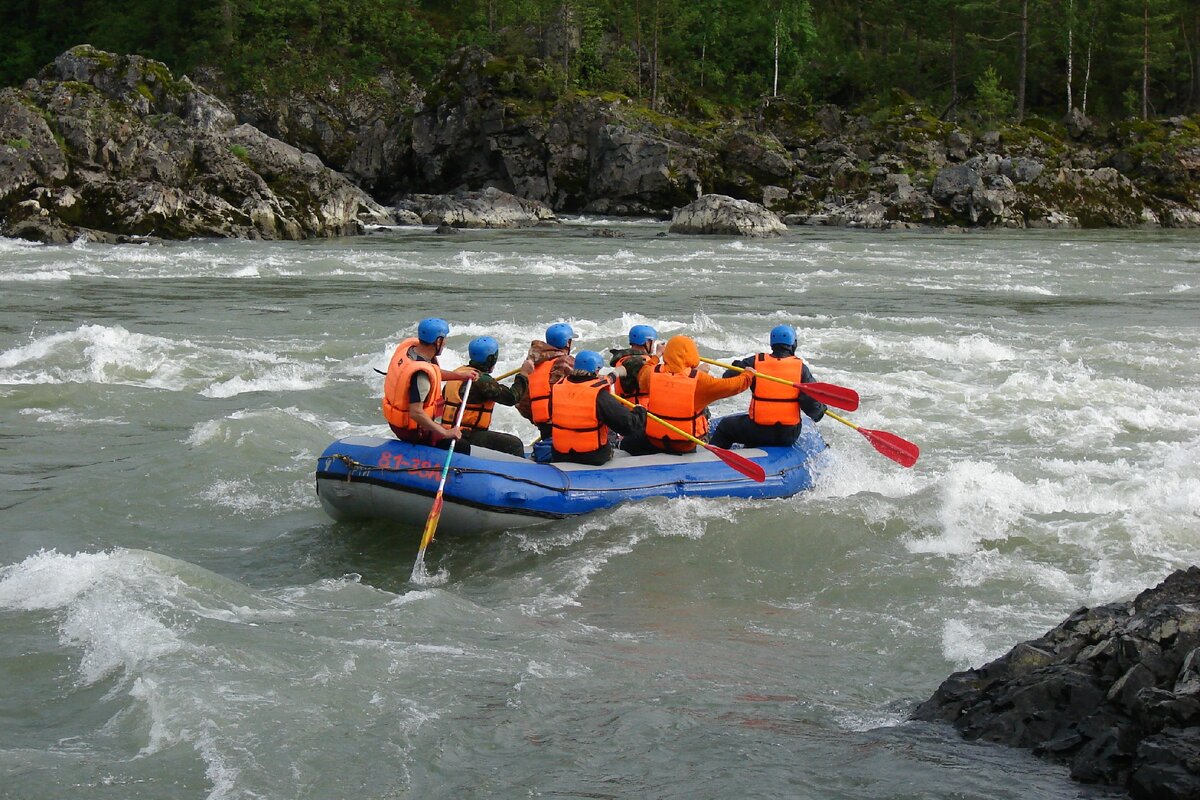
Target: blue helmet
x=558, y=334
x=588, y=361
x=482, y=348
x=783, y=334
x=640, y=334
x=431, y=329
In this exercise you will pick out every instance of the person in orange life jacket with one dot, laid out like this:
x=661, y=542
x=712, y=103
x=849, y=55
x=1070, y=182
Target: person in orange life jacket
x=486, y=392
x=548, y=363
x=679, y=392
x=627, y=362
x=774, y=418
x=412, y=390
x=582, y=410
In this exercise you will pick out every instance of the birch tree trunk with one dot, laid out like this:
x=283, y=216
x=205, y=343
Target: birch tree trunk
x=775, y=82
x=1070, y=54
x=1087, y=72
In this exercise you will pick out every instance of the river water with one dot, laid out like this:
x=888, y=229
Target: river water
x=179, y=619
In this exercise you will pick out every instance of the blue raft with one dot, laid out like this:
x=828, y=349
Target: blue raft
x=367, y=477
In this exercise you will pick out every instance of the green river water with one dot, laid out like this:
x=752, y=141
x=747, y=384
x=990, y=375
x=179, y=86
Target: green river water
x=179, y=619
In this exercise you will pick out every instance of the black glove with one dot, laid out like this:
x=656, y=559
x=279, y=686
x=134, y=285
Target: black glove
x=637, y=417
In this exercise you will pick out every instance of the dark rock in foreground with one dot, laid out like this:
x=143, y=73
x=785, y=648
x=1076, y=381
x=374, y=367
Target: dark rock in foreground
x=110, y=146
x=1114, y=691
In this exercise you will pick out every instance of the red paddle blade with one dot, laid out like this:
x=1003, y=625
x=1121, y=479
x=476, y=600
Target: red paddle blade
x=742, y=464
x=902, y=451
x=831, y=394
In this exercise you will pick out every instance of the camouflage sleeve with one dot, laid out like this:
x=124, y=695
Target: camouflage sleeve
x=491, y=389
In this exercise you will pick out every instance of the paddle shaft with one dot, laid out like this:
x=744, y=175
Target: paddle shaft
x=828, y=393
x=740, y=463
x=435, y=512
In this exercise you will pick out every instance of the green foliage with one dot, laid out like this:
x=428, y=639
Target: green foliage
x=993, y=101
x=716, y=52
x=18, y=144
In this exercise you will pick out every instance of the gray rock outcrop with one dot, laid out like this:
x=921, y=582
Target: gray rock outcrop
x=724, y=215
x=111, y=146
x=490, y=208
x=1114, y=691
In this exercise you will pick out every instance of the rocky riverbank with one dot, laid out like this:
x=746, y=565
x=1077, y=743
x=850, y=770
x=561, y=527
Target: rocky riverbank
x=1113, y=691
x=115, y=146
x=111, y=147
x=486, y=122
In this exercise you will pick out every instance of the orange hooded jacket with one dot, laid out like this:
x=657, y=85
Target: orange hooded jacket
x=681, y=355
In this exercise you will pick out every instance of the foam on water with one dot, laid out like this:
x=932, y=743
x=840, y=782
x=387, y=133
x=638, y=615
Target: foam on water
x=256, y=709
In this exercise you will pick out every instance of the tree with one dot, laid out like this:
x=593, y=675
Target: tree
x=1146, y=42
x=791, y=31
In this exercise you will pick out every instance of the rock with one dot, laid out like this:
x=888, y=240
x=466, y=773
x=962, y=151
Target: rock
x=868, y=214
x=774, y=195
x=954, y=182
x=643, y=168
x=365, y=134
x=115, y=146
x=900, y=186
x=957, y=144
x=1113, y=691
x=830, y=119
x=723, y=215
x=446, y=230
x=1020, y=169
x=490, y=208
x=1077, y=124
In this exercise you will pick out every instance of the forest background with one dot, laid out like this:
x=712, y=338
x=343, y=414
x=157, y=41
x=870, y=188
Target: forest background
x=979, y=60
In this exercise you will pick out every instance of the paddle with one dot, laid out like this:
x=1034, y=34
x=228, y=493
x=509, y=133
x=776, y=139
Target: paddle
x=742, y=464
x=435, y=513
x=828, y=393
x=902, y=451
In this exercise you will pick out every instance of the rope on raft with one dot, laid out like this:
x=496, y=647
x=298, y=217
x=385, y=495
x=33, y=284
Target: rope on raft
x=352, y=465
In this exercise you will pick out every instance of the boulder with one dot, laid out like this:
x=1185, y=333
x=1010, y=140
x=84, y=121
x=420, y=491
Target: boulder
x=723, y=215
x=1112, y=691
x=489, y=208
x=1020, y=169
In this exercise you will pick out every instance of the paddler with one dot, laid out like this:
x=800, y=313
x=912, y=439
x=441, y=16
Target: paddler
x=582, y=410
x=678, y=391
x=548, y=363
x=486, y=392
x=412, y=390
x=774, y=416
x=641, y=348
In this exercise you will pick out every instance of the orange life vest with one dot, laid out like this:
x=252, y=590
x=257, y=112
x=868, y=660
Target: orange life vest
x=539, y=392
x=773, y=403
x=576, y=427
x=637, y=396
x=401, y=372
x=477, y=416
x=390, y=383
x=673, y=398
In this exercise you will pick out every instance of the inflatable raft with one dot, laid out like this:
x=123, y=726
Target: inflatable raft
x=366, y=477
